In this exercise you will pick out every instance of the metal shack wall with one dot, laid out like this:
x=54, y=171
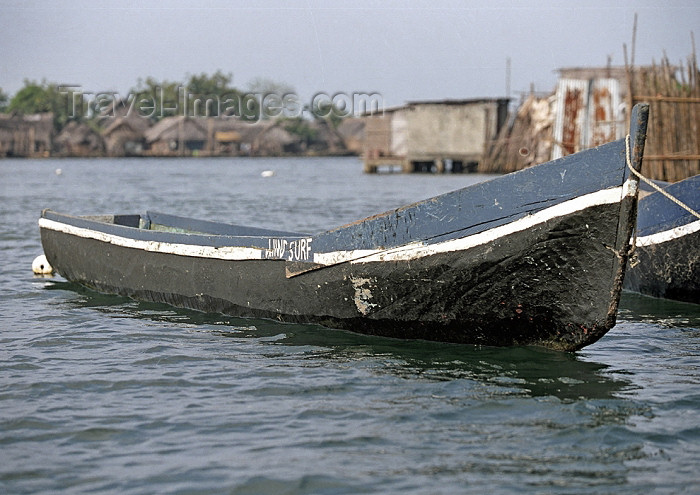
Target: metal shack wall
x=588, y=113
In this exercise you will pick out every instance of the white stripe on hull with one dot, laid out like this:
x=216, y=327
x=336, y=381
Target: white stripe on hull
x=418, y=250
x=223, y=253
x=406, y=252
x=669, y=235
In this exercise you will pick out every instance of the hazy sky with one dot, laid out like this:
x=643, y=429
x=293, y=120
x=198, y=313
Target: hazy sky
x=403, y=50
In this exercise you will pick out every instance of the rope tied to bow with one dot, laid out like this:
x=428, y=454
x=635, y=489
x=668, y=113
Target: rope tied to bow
x=633, y=259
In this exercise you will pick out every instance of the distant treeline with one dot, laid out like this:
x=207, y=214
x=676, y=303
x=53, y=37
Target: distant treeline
x=199, y=95
x=204, y=115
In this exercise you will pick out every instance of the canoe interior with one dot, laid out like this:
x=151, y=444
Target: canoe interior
x=163, y=222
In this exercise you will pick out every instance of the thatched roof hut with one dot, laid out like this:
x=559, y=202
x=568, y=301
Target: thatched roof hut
x=78, y=139
x=266, y=138
x=125, y=135
x=26, y=135
x=276, y=140
x=260, y=138
x=179, y=135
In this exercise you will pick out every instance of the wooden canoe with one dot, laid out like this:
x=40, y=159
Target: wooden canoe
x=536, y=257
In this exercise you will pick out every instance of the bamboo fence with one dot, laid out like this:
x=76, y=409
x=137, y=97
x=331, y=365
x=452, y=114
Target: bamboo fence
x=672, y=150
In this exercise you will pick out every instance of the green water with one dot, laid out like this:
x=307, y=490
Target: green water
x=102, y=394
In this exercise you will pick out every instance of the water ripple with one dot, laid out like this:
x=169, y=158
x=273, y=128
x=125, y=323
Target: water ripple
x=102, y=394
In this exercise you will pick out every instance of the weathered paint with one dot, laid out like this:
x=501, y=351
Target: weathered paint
x=668, y=235
x=363, y=295
x=525, y=289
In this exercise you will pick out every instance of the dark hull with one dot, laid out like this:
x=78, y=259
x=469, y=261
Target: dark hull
x=532, y=258
x=526, y=288
x=667, y=255
x=669, y=270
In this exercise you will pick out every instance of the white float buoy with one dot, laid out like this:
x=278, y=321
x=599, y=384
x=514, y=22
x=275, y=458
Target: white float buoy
x=268, y=173
x=59, y=171
x=41, y=266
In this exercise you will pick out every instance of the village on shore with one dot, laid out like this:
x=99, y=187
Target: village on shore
x=128, y=134
x=588, y=107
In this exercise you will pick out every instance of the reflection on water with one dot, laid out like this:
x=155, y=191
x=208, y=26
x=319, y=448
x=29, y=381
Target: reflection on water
x=663, y=312
x=526, y=371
